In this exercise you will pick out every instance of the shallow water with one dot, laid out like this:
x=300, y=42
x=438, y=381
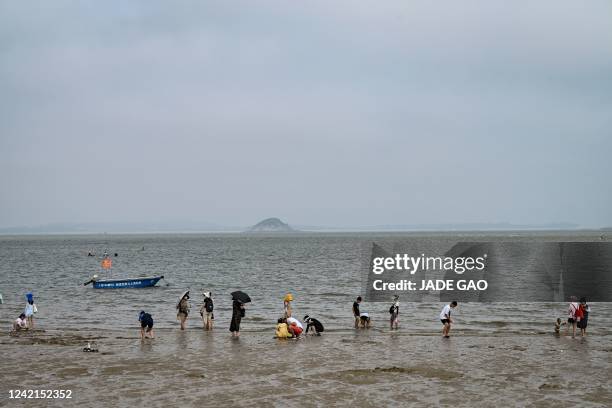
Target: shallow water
x=500, y=354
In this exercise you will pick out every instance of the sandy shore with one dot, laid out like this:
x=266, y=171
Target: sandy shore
x=196, y=368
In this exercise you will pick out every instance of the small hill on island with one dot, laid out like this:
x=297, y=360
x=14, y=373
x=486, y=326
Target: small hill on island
x=271, y=225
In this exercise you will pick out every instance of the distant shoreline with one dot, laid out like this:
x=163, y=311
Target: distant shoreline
x=306, y=232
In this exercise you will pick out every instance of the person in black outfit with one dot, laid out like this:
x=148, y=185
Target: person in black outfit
x=356, y=311
x=237, y=315
x=146, y=321
x=314, y=324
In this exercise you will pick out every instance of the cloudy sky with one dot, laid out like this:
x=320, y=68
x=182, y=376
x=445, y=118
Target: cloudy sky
x=338, y=113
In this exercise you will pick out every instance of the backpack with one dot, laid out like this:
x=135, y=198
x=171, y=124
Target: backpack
x=392, y=309
x=208, y=305
x=579, y=313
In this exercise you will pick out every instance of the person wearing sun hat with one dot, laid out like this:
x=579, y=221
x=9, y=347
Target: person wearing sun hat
x=287, y=305
x=207, y=311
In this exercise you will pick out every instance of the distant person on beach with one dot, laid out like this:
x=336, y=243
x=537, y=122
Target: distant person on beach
x=207, y=311
x=30, y=309
x=146, y=325
x=287, y=304
x=183, y=311
x=445, y=318
x=394, y=312
x=558, y=325
x=238, y=313
x=20, y=323
x=313, y=325
x=356, y=313
x=571, y=315
x=583, y=309
x=282, y=331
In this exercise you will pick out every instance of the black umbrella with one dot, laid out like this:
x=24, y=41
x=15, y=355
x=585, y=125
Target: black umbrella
x=241, y=297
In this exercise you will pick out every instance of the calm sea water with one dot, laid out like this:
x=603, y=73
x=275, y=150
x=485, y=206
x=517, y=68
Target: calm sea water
x=322, y=271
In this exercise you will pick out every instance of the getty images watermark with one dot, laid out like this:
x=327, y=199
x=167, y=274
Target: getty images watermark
x=411, y=265
x=518, y=271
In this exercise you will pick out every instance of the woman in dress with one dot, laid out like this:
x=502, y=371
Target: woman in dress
x=237, y=315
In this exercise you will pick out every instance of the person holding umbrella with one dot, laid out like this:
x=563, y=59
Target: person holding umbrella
x=183, y=309
x=239, y=299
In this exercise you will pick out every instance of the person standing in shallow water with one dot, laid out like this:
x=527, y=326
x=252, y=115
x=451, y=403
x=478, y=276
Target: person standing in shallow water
x=394, y=311
x=584, y=310
x=287, y=305
x=30, y=309
x=237, y=315
x=571, y=315
x=183, y=311
x=445, y=318
x=356, y=312
x=207, y=311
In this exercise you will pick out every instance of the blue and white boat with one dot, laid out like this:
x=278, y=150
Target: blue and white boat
x=144, y=282
x=132, y=283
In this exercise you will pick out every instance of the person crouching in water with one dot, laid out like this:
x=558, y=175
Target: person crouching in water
x=365, y=320
x=294, y=326
x=558, y=325
x=146, y=325
x=445, y=318
x=20, y=323
x=207, y=311
x=394, y=311
x=282, y=331
x=314, y=325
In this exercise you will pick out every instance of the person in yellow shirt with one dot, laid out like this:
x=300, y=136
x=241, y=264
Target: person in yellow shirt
x=281, y=329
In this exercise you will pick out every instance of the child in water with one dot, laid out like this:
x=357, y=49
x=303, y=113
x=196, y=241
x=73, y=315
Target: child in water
x=287, y=304
x=558, y=325
x=30, y=309
x=282, y=331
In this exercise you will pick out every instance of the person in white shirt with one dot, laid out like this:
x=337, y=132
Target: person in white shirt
x=571, y=315
x=445, y=318
x=30, y=309
x=20, y=323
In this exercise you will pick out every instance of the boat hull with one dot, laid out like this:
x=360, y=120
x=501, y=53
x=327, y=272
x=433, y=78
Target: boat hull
x=127, y=283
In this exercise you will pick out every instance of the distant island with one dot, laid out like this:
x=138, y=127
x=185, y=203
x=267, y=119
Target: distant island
x=271, y=225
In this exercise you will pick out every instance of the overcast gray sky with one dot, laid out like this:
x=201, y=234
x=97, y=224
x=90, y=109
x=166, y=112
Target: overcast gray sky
x=344, y=113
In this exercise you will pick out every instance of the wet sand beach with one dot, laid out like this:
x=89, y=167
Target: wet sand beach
x=362, y=368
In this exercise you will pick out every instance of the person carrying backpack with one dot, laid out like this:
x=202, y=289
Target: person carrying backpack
x=207, y=311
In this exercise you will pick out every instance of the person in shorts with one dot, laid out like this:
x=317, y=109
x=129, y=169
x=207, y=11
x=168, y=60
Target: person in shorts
x=445, y=318
x=146, y=325
x=207, y=311
x=571, y=315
